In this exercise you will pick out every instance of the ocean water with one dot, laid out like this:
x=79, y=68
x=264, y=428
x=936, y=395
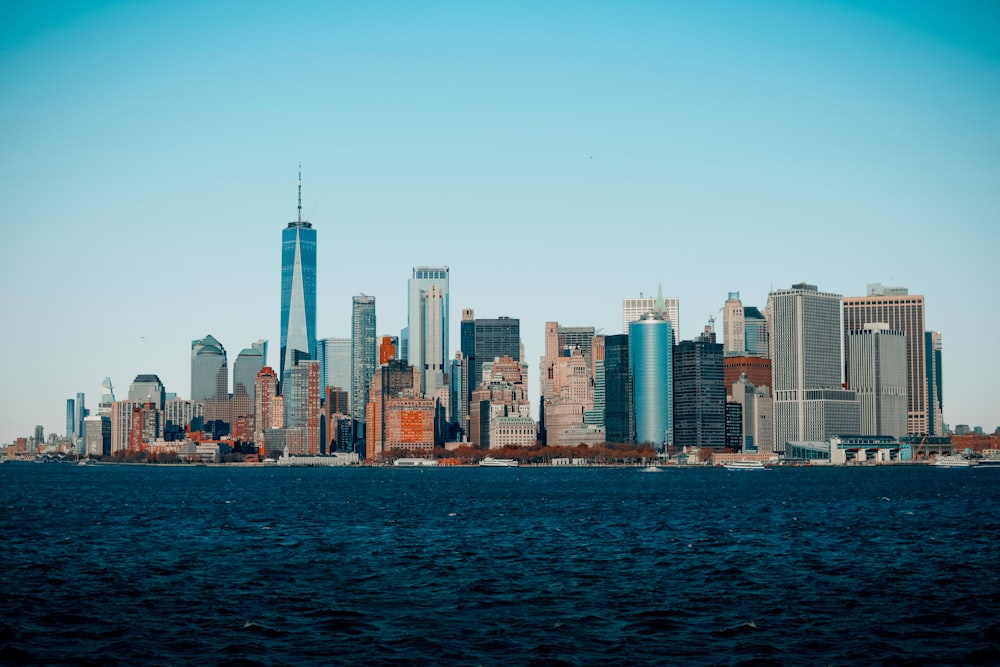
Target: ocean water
x=125, y=565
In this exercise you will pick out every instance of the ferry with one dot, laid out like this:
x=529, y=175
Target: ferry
x=650, y=468
x=744, y=465
x=491, y=462
x=952, y=462
x=415, y=462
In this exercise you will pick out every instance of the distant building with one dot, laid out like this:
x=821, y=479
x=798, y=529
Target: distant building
x=699, y=408
x=483, y=340
x=298, y=294
x=877, y=372
x=427, y=326
x=248, y=364
x=303, y=404
x=335, y=363
x=935, y=400
x=634, y=309
x=97, y=436
x=757, y=413
x=398, y=416
x=617, y=390
x=209, y=370
x=70, y=417
x=147, y=388
x=364, y=356
x=650, y=346
x=265, y=399
x=757, y=370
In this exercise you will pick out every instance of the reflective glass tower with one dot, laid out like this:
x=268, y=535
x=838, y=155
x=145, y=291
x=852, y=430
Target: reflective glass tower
x=298, y=292
x=209, y=370
x=364, y=357
x=650, y=342
x=427, y=325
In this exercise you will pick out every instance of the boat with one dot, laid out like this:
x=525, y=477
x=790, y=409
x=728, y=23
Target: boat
x=491, y=462
x=744, y=465
x=952, y=462
x=651, y=469
x=988, y=463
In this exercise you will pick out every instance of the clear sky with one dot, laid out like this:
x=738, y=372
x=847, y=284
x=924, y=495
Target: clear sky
x=557, y=156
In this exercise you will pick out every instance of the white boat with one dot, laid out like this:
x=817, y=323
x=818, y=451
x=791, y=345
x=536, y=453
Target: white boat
x=491, y=462
x=651, y=469
x=415, y=463
x=744, y=465
x=952, y=462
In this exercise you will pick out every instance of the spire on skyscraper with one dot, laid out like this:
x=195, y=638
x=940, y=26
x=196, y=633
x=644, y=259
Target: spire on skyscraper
x=300, y=192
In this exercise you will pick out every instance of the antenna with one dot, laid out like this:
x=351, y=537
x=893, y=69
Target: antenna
x=300, y=192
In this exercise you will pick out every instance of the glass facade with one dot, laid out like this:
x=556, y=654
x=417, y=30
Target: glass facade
x=209, y=370
x=425, y=339
x=298, y=295
x=364, y=355
x=617, y=390
x=699, y=409
x=650, y=342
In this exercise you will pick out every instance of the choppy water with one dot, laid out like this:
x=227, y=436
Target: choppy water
x=127, y=565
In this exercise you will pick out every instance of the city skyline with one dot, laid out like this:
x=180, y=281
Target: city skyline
x=557, y=162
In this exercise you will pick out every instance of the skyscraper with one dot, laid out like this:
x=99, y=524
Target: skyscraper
x=650, y=343
x=107, y=398
x=363, y=357
x=70, y=417
x=248, y=364
x=335, y=363
x=634, y=309
x=426, y=335
x=617, y=390
x=935, y=418
x=484, y=340
x=809, y=403
x=265, y=399
x=209, y=370
x=902, y=312
x=81, y=414
x=877, y=372
x=699, y=393
x=733, y=337
x=303, y=397
x=298, y=292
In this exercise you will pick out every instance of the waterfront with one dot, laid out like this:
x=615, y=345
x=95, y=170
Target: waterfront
x=117, y=564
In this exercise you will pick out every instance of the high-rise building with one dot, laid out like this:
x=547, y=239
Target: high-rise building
x=107, y=398
x=298, y=292
x=754, y=332
x=81, y=413
x=757, y=415
x=809, y=403
x=70, y=417
x=484, y=340
x=617, y=390
x=97, y=436
x=397, y=417
x=427, y=326
x=363, y=358
x=209, y=370
x=935, y=418
x=635, y=309
x=265, y=400
x=303, y=403
x=248, y=364
x=699, y=393
x=387, y=349
x=902, y=312
x=877, y=372
x=335, y=363
x=733, y=337
x=147, y=388
x=650, y=343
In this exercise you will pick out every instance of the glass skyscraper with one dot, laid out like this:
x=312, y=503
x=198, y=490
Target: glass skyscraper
x=298, y=293
x=209, y=370
x=650, y=341
x=364, y=357
x=426, y=344
x=617, y=389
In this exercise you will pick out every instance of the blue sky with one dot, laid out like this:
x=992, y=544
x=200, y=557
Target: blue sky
x=558, y=157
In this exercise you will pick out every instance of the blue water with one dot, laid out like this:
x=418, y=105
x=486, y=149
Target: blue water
x=123, y=565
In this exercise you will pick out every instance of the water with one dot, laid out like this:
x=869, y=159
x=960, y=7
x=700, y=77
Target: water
x=117, y=564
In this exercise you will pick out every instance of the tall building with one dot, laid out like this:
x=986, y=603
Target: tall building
x=81, y=413
x=757, y=415
x=427, y=326
x=635, y=309
x=500, y=410
x=107, y=398
x=483, y=340
x=363, y=358
x=617, y=390
x=902, y=312
x=754, y=332
x=97, y=436
x=699, y=393
x=809, y=403
x=650, y=343
x=733, y=340
x=70, y=417
x=335, y=363
x=398, y=418
x=265, y=399
x=932, y=348
x=298, y=292
x=248, y=364
x=877, y=372
x=387, y=349
x=303, y=403
x=147, y=388
x=209, y=370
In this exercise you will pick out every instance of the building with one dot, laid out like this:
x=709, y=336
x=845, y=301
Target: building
x=97, y=436
x=70, y=417
x=107, y=398
x=932, y=349
x=617, y=390
x=398, y=416
x=363, y=358
x=483, y=340
x=755, y=336
x=757, y=370
x=426, y=334
x=650, y=349
x=634, y=309
x=81, y=413
x=733, y=342
x=209, y=370
x=335, y=363
x=248, y=364
x=181, y=415
x=265, y=400
x=877, y=372
x=699, y=410
x=902, y=312
x=806, y=366
x=757, y=414
x=501, y=397
x=387, y=349
x=302, y=400
x=147, y=388
x=298, y=293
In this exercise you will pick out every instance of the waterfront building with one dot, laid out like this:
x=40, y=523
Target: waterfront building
x=209, y=370
x=699, y=410
x=669, y=307
x=932, y=349
x=877, y=372
x=179, y=415
x=302, y=400
x=70, y=417
x=650, y=349
x=298, y=293
x=335, y=363
x=502, y=393
x=363, y=358
x=248, y=364
x=398, y=416
x=147, y=388
x=757, y=413
x=903, y=312
x=426, y=334
x=484, y=339
x=265, y=399
x=733, y=437
x=809, y=403
x=97, y=436
x=81, y=413
x=617, y=390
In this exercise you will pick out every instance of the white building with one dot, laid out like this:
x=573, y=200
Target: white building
x=877, y=372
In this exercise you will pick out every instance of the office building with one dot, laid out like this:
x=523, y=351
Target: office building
x=483, y=340
x=209, y=370
x=180, y=415
x=266, y=400
x=248, y=364
x=617, y=390
x=809, y=403
x=757, y=415
x=81, y=413
x=932, y=348
x=302, y=400
x=903, y=312
x=387, y=349
x=669, y=308
x=426, y=334
x=298, y=292
x=754, y=332
x=363, y=358
x=70, y=417
x=398, y=417
x=97, y=436
x=147, y=388
x=503, y=393
x=699, y=411
x=732, y=326
x=757, y=370
x=335, y=363
x=877, y=372
x=650, y=349
x=107, y=398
